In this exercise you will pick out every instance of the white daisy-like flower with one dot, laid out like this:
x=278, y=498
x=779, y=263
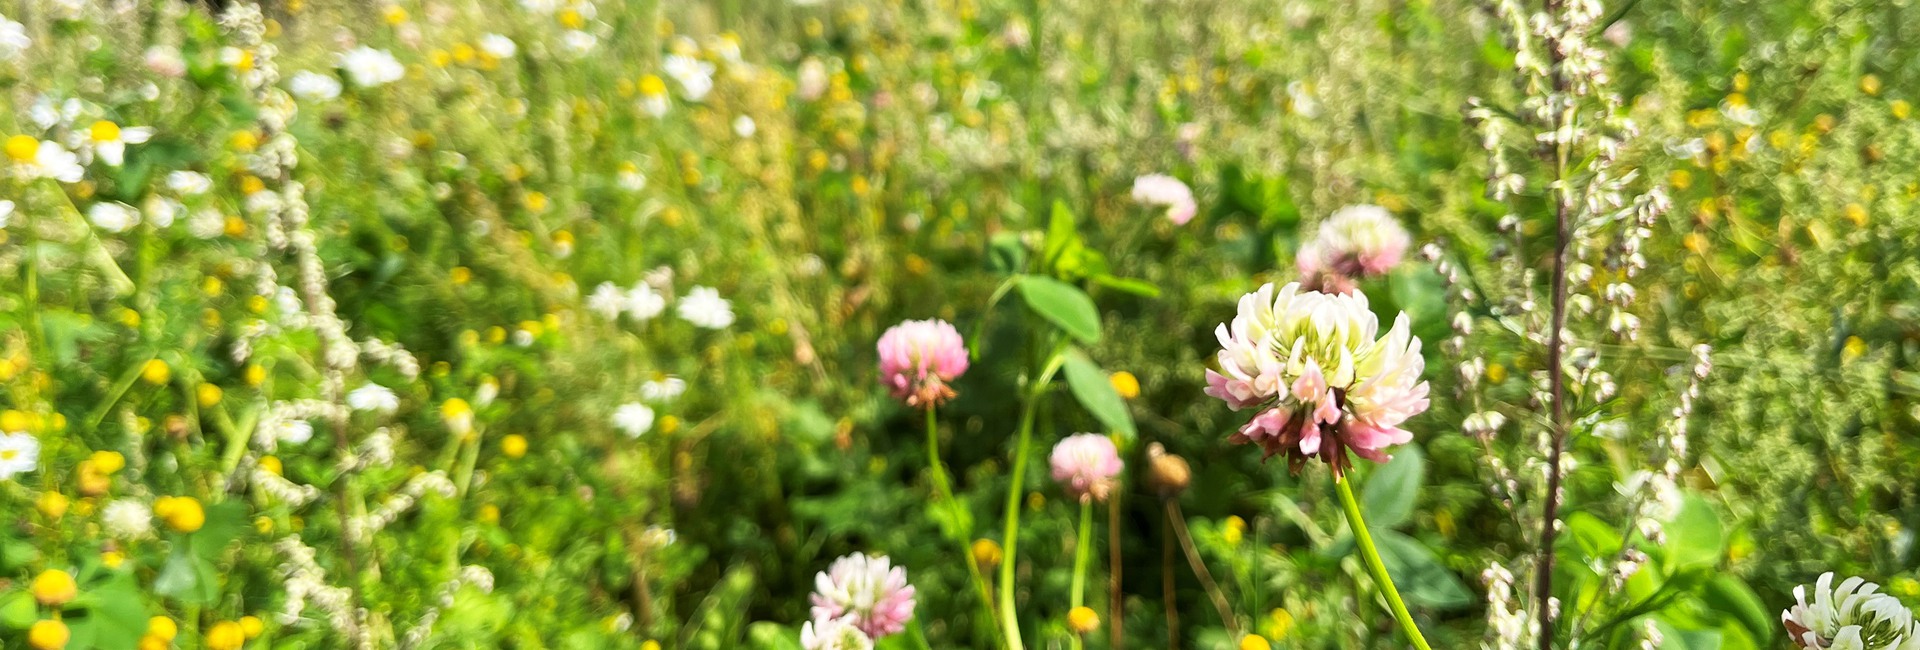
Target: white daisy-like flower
x=630, y=177
x=313, y=86
x=497, y=46
x=188, y=183
x=579, y=43
x=161, y=210
x=113, y=217
x=293, y=432
x=368, y=67
x=1851, y=616
x=489, y=389
x=373, y=398
x=744, y=126
x=207, y=224
x=634, y=419
x=695, y=76
x=44, y=159
x=833, y=634
x=643, y=303
x=19, y=454
x=704, y=307
x=607, y=300
x=110, y=140
x=6, y=212
x=13, y=39
x=1161, y=190
x=664, y=389
x=127, y=519
x=48, y=113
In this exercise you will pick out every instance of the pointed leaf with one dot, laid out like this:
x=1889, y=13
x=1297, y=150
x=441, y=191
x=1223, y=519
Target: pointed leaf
x=1092, y=388
x=1062, y=304
x=1393, y=488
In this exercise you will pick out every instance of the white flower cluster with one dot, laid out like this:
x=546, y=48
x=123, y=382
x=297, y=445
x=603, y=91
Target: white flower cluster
x=1850, y=616
x=363, y=528
x=306, y=583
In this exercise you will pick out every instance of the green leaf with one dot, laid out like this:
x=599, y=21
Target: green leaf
x=1419, y=574
x=226, y=522
x=770, y=636
x=115, y=615
x=1062, y=304
x=1731, y=596
x=1694, y=537
x=1392, y=489
x=1127, y=285
x=187, y=578
x=1091, y=387
x=17, y=610
x=1591, y=537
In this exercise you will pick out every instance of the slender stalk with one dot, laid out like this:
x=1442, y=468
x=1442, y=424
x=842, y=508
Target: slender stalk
x=1081, y=551
x=1556, y=345
x=1371, y=556
x=944, y=488
x=1179, y=523
x=1113, y=569
x=1009, y=619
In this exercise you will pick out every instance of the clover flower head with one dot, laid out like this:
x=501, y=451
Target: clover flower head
x=919, y=358
x=313, y=86
x=1357, y=241
x=127, y=519
x=1086, y=465
x=1168, y=192
x=634, y=419
x=1850, y=616
x=833, y=634
x=368, y=67
x=866, y=592
x=704, y=307
x=373, y=397
x=1323, y=380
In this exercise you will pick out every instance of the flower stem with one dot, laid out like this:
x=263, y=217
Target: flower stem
x=1371, y=556
x=961, y=533
x=1009, y=620
x=1081, y=552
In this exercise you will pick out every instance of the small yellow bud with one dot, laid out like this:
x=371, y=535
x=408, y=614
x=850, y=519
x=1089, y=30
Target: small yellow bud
x=112, y=559
x=208, y=394
x=272, y=465
x=1234, y=530
x=52, y=504
x=151, y=642
x=489, y=514
x=225, y=635
x=162, y=628
x=252, y=626
x=514, y=445
x=1124, y=383
x=244, y=141
x=156, y=372
x=182, y=514
x=256, y=374
x=54, y=588
x=1082, y=620
x=48, y=635
x=986, y=553
x=1255, y=642
x=460, y=275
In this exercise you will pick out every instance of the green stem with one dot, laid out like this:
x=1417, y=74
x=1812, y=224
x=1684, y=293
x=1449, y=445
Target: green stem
x=1371, y=556
x=962, y=533
x=1081, y=552
x=1009, y=620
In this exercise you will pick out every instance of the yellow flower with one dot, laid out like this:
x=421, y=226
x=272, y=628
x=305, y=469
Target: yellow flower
x=1082, y=619
x=572, y=19
x=156, y=372
x=1854, y=349
x=151, y=642
x=514, y=445
x=252, y=626
x=1255, y=642
x=1680, y=179
x=112, y=559
x=1901, y=109
x=1279, y=623
x=52, y=504
x=395, y=14
x=649, y=85
x=458, y=415
x=162, y=628
x=1857, y=214
x=48, y=635
x=272, y=465
x=244, y=141
x=54, y=588
x=489, y=514
x=1235, y=529
x=986, y=553
x=256, y=374
x=669, y=424
x=650, y=644
x=208, y=394
x=1496, y=373
x=462, y=52
x=225, y=635
x=235, y=227
x=1870, y=84
x=182, y=514
x=460, y=275
x=1125, y=383
x=12, y=421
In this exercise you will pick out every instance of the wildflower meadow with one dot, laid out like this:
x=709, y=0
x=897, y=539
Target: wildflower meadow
x=987, y=324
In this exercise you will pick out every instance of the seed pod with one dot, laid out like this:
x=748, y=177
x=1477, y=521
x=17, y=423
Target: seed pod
x=1167, y=473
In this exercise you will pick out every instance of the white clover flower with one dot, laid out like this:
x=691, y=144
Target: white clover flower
x=704, y=307
x=497, y=46
x=188, y=183
x=1850, y=617
x=643, y=303
x=634, y=419
x=1323, y=383
x=1355, y=242
x=13, y=39
x=44, y=159
x=127, y=519
x=866, y=591
x=607, y=300
x=368, y=67
x=1161, y=190
x=812, y=80
x=833, y=634
x=19, y=453
x=293, y=432
x=207, y=224
x=313, y=86
x=744, y=126
x=664, y=389
x=165, y=60
x=695, y=76
x=113, y=217
x=374, y=398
